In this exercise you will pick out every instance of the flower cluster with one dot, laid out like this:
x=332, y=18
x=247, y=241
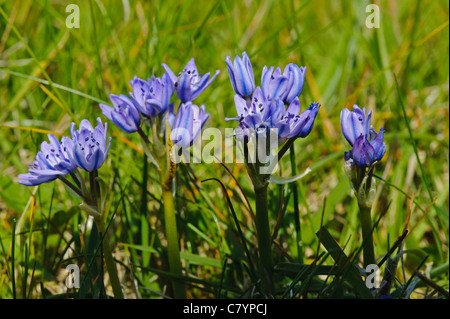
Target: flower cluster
x=86, y=149
x=367, y=145
x=273, y=105
x=152, y=98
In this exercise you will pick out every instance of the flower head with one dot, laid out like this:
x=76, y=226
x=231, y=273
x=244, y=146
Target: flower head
x=188, y=124
x=273, y=83
x=54, y=159
x=296, y=81
x=90, y=144
x=285, y=86
x=355, y=123
x=241, y=75
x=123, y=113
x=292, y=123
x=189, y=83
x=262, y=113
x=368, y=146
x=152, y=97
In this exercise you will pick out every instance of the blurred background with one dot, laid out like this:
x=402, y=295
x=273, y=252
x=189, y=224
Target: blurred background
x=51, y=75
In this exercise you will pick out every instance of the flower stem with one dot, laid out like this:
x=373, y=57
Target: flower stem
x=107, y=252
x=264, y=239
x=173, y=248
x=366, y=227
x=110, y=264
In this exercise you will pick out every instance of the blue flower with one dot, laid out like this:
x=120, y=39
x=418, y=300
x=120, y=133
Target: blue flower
x=241, y=75
x=53, y=160
x=274, y=84
x=355, y=123
x=261, y=113
x=90, y=144
x=285, y=86
x=189, y=83
x=152, y=97
x=187, y=124
x=124, y=113
x=296, y=81
x=368, y=146
x=295, y=124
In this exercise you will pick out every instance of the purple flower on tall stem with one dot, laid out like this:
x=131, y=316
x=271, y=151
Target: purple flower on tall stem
x=54, y=159
x=152, y=97
x=241, y=75
x=189, y=83
x=188, y=124
x=123, y=113
x=90, y=144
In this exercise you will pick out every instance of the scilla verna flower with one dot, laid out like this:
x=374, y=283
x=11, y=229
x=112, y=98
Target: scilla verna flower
x=187, y=124
x=53, y=160
x=285, y=86
x=90, y=144
x=261, y=113
x=124, y=113
x=152, y=97
x=368, y=146
x=241, y=75
x=189, y=83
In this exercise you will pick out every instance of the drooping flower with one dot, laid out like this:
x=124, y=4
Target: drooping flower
x=189, y=83
x=152, y=97
x=367, y=146
x=241, y=75
x=123, y=113
x=188, y=124
x=53, y=160
x=90, y=144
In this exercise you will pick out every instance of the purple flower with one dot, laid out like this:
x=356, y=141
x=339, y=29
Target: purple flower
x=251, y=113
x=292, y=123
x=355, y=123
x=260, y=112
x=296, y=81
x=90, y=144
x=152, y=97
x=285, y=86
x=188, y=124
x=241, y=75
x=274, y=84
x=368, y=146
x=189, y=83
x=124, y=113
x=53, y=160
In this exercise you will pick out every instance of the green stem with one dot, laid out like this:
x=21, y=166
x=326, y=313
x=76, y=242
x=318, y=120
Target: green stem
x=110, y=264
x=264, y=239
x=366, y=227
x=173, y=248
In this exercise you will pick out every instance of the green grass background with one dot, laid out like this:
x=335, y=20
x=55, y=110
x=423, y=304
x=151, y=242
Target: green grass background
x=347, y=63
